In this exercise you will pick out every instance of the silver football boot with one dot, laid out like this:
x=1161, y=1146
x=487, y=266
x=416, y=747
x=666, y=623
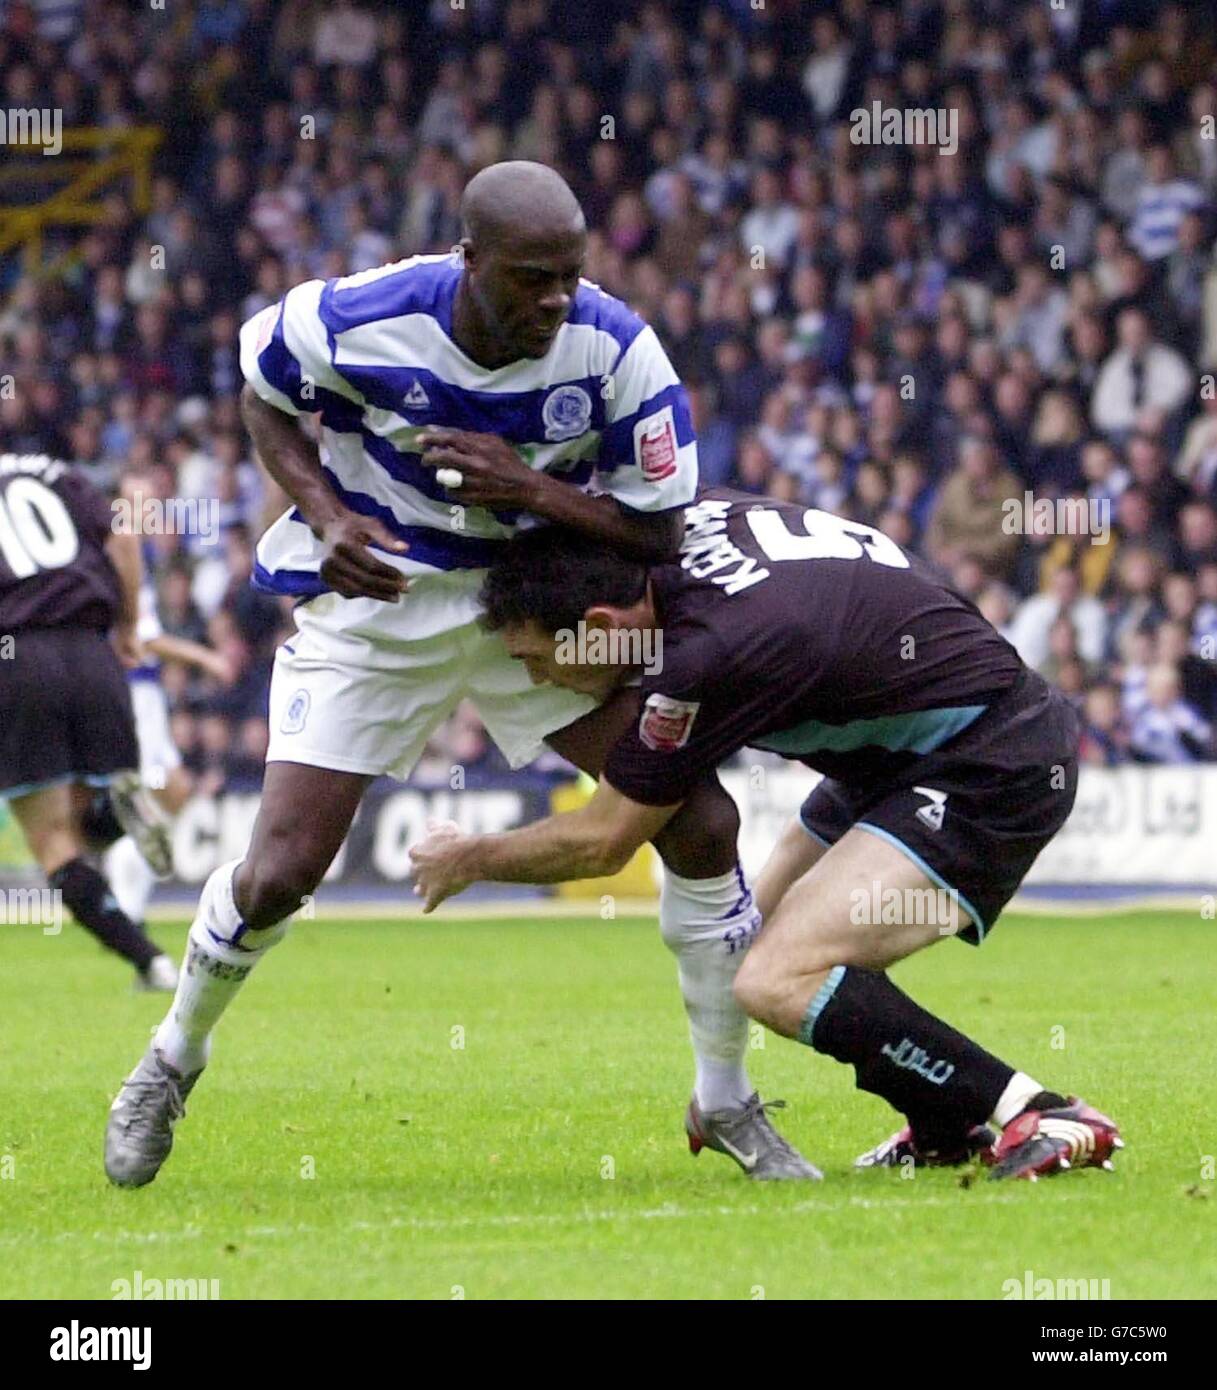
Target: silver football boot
x=139, y=1133
x=745, y=1134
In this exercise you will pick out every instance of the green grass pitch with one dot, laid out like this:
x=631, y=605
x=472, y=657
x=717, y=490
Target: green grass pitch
x=342, y=1145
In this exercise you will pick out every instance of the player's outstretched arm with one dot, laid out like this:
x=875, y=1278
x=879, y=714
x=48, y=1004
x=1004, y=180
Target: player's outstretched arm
x=292, y=460
x=599, y=838
x=188, y=653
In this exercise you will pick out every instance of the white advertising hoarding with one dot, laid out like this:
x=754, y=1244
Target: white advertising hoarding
x=1129, y=825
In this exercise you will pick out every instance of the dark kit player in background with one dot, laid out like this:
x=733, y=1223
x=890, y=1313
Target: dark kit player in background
x=67, y=582
x=948, y=766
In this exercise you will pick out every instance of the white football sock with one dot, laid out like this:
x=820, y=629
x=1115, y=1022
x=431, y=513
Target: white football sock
x=708, y=925
x=220, y=953
x=130, y=877
x=1014, y=1099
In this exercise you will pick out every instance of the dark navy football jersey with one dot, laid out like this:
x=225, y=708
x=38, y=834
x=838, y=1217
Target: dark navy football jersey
x=814, y=637
x=54, y=570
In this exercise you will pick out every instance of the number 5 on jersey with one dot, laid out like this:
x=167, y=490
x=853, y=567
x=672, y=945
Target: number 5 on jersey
x=828, y=538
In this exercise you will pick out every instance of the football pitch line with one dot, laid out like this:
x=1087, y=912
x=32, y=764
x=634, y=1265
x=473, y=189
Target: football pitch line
x=549, y=909
x=668, y=1212
x=408, y=909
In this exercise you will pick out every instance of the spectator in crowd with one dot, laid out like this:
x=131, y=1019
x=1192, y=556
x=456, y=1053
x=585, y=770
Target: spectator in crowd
x=1063, y=653
x=1167, y=729
x=969, y=513
x=1197, y=531
x=1054, y=461
x=1197, y=674
x=1141, y=372
x=1030, y=632
x=1196, y=464
x=1104, y=740
x=1135, y=606
x=716, y=437
x=1163, y=203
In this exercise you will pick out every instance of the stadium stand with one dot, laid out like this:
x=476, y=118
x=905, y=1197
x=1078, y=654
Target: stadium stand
x=923, y=336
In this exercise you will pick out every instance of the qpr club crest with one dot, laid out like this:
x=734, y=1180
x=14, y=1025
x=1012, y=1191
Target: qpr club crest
x=666, y=724
x=567, y=412
x=296, y=713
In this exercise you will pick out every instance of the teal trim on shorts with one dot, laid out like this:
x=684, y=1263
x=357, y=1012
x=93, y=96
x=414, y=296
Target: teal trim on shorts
x=816, y=1007
x=920, y=732
x=91, y=779
x=977, y=921
x=818, y=838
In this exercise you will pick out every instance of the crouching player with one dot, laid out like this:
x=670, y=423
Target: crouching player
x=947, y=765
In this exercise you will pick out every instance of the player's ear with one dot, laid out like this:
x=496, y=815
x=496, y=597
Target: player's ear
x=602, y=616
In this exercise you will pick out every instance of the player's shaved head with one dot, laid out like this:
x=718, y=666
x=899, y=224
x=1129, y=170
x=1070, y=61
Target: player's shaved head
x=519, y=200
x=523, y=244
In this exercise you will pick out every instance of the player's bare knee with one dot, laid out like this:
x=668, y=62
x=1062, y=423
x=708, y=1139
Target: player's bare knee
x=759, y=987
x=779, y=969
x=269, y=893
x=745, y=988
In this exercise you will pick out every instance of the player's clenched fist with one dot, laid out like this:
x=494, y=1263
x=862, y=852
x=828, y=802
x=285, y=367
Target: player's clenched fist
x=350, y=568
x=491, y=473
x=436, y=860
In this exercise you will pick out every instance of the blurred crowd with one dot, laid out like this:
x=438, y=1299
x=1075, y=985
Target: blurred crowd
x=915, y=335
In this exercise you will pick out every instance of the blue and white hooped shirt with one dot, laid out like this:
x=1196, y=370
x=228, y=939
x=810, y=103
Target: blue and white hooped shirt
x=373, y=355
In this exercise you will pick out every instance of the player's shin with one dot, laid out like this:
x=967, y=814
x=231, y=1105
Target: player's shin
x=708, y=924
x=220, y=953
x=87, y=895
x=941, y=1080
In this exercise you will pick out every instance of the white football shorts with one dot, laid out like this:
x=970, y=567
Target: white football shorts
x=347, y=696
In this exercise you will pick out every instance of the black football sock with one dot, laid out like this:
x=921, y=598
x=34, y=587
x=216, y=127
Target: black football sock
x=943, y=1081
x=88, y=897
x=1046, y=1100
x=99, y=825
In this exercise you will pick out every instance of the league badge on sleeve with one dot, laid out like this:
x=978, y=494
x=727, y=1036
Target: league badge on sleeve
x=655, y=445
x=266, y=321
x=666, y=724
